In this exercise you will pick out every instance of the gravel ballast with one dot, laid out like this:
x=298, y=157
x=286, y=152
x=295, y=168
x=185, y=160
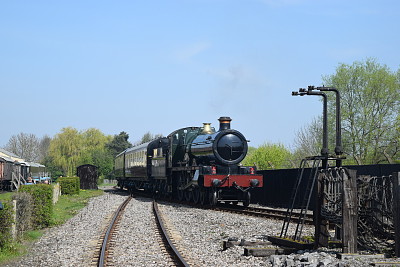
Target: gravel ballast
x=200, y=231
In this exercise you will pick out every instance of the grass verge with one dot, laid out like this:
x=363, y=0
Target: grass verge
x=67, y=205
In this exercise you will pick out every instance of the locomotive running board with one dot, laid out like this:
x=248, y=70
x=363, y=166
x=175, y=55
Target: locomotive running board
x=185, y=168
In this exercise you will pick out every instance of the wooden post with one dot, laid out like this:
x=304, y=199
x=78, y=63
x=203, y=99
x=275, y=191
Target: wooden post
x=349, y=211
x=396, y=211
x=321, y=225
x=14, y=221
x=317, y=213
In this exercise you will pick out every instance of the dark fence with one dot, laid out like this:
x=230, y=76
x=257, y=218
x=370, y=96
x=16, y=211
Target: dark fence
x=278, y=184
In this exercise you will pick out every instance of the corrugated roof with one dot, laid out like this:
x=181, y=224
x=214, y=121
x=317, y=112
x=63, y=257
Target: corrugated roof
x=11, y=157
x=35, y=164
x=5, y=158
x=9, y=154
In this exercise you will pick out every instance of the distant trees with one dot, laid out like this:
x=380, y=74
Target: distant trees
x=71, y=148
x=370, y=97
x=44, y=147
x=28, y=146
x=269, y=156
x=66, y=150
x=147, y=137
x=308, y=141
x=118, y=143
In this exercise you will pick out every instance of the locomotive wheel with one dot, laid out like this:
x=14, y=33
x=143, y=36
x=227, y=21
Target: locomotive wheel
x=180, y=195
x=196, y=195
x=203, y=197
x=212, y=195
x=165, y=189
x=188, y=195
x=247, y=197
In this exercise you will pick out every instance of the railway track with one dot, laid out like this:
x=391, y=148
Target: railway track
x=250, y=211
x=265, y=212
x=104, y=251
x=103, y=256
x=169, y=242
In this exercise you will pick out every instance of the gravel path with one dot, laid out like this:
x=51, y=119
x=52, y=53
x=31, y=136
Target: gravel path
x=199, y=231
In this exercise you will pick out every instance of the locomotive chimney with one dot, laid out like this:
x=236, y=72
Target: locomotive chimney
x=207, y=128
x=224, y=123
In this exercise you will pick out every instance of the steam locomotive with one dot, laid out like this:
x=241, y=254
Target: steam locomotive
x=195, y=164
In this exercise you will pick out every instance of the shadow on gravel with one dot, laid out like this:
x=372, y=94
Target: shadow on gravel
x=114, y=190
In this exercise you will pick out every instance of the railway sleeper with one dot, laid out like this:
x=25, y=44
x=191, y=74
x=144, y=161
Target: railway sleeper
x=232, y=242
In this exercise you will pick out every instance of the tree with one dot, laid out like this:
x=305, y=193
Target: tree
x=118, y=143
x=51, y=167
x=70, y=149
x=25, y=146
x=66, y=150
x=147, y=137
x=104, y=160
x=44, y=145
x=93, y=142
x=370, y=96
x=308, y=140
x=269, y=156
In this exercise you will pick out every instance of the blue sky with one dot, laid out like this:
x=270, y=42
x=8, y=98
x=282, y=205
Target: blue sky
x=157, y=66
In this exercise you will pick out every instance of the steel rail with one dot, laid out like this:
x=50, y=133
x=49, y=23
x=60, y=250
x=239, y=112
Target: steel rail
x=178, y=257
x=105, y=244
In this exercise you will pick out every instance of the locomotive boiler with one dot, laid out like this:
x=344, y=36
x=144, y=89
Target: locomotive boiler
x=197, y=164
x=226, y=147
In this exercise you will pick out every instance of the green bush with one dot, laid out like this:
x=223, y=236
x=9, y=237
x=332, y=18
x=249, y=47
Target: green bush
x=100, y=180
x=24, y=214
x=6, y=220
x=69, y=185
x=42, y=203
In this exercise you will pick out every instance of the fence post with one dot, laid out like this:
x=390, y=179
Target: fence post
x=14, y=221
x=350, y=211
x=321, y=224
x=396, y=211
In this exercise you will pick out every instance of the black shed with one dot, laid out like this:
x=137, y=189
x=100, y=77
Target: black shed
x=88, y=176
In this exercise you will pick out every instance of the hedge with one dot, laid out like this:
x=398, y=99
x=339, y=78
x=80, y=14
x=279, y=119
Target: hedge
x=42, y=203
x=69, y=185
x=6, y=219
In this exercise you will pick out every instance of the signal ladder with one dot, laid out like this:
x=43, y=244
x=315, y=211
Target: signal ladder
x=312, y=178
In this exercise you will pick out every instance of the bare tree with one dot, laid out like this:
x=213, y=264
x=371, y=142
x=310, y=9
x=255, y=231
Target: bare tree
x=44, y=147
x=308, y=140
x=24, y=145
